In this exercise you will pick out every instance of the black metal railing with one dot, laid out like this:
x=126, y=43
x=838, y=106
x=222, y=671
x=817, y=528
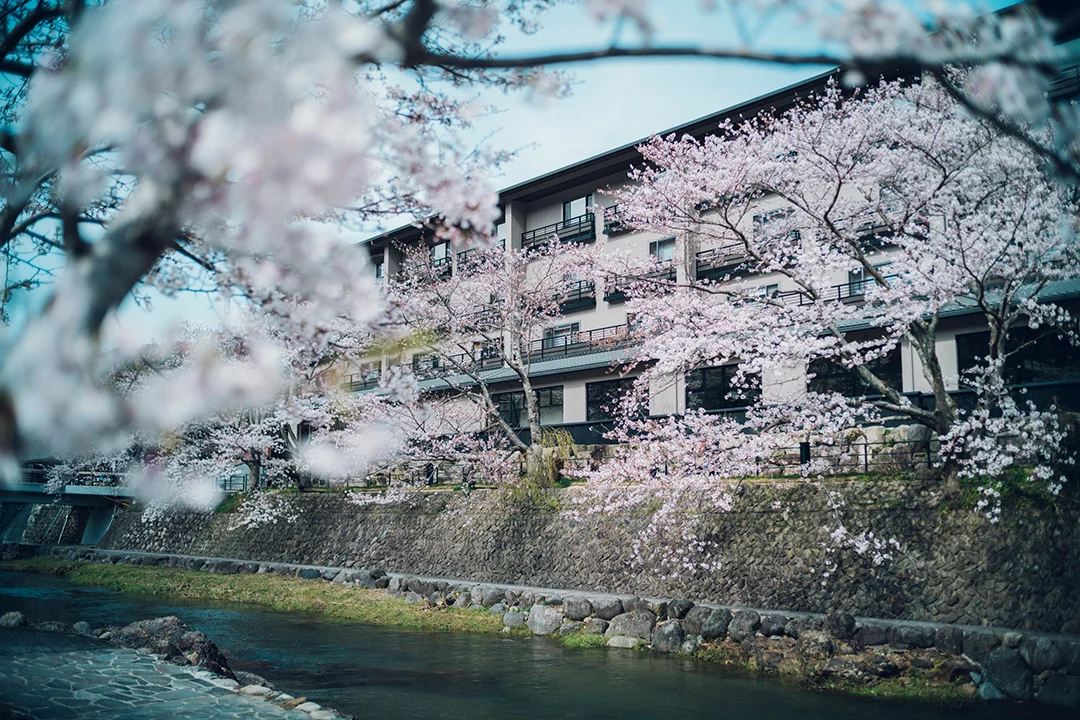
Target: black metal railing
x=577, y=295
x=92, y=478
x=613, y=221
x=442, y=267
x=460, y=364
x=580, y=229
x=581, y=342
x=1066, y=85
x=233, y=483
x=717, y=262
x=665, y=272
x=364, y=380
x=468, y=258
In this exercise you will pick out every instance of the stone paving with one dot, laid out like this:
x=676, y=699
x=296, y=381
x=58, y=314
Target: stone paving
x=45, y=675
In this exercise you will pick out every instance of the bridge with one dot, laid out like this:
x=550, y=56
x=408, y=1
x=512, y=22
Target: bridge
x=96, y=495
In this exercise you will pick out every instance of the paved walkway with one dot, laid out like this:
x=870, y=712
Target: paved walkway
x=45, y=675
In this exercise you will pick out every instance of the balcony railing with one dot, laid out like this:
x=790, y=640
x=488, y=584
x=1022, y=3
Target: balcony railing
x=1066, y=85
x=581, y=342
x=581, y=229
x=721, y=261
x=613, y=222
x=442, y=266
x=578, y=295
x=665, y=272
x=364, y=380
x=851, y=291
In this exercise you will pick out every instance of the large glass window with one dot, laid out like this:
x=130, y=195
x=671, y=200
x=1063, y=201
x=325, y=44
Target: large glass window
x=511, y=408
x=712, y=389
x=831, y=376
x=550, y=402
x=602, y=399
x=1034, y=356
x=577, y=207
x=662, y=250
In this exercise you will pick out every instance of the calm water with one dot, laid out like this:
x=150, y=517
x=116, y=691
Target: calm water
x=378, y=672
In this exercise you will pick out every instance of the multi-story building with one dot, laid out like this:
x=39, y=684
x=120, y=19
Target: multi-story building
x=575, y=368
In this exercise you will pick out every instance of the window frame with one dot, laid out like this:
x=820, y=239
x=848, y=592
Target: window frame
x=568, y=205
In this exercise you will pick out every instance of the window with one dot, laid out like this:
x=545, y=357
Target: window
x=662, y=250
x=831, y=376
x=576, y=207
x=379, y=273
x=858, y=279
x=511, y=408
x=440, y=254
x=602, y=399
x=768, y=291
x=712, y=389
x=550, y=402
x=1034, y=356
x=561, y=335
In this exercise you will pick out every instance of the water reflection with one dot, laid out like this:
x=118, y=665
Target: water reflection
x=379, y=672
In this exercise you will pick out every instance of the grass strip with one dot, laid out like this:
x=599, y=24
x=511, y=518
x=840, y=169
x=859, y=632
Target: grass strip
x=277, y=592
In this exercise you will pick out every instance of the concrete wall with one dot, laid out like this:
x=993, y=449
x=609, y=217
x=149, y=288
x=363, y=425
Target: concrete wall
x=953, y=566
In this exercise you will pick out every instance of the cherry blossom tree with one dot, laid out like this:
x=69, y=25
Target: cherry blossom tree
x=489, y=315
x=223, y=146
x=867, y=218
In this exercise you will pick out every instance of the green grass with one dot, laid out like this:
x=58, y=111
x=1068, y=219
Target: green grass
x=910, y=688
x=289, y=594
x=583, y=640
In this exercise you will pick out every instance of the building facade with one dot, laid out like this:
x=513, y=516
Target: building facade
x=577, y=364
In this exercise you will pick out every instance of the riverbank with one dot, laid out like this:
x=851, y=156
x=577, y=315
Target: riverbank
x=819, y=660
x=276, y=592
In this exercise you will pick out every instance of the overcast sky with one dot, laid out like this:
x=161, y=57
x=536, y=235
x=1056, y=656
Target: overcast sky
x=614, y=102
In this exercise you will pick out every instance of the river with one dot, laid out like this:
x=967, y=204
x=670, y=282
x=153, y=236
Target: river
x=376, y=672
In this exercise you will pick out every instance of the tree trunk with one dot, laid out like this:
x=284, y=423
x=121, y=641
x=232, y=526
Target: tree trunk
x=254, y=474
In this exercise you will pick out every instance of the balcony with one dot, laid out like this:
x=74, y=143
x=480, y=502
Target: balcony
x=364, y=380
x=721, y=262
x=582, y=342
x=613, y=293
x=441, y=267
x=578, y=295
x=1065, y=86
x=665, y=272
x=613, y=223
x=581, y=229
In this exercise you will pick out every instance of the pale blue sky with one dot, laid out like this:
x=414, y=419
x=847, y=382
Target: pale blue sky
x=614, y=102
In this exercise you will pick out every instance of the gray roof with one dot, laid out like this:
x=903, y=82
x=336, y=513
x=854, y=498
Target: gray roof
x=554, y=366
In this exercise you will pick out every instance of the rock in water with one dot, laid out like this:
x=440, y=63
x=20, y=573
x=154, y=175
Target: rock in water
x=1006, y=670
x=668, y=637
x=544, y=620
x=637, y=624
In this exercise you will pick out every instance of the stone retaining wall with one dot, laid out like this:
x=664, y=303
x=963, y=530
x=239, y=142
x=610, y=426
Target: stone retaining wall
x=769, y=551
